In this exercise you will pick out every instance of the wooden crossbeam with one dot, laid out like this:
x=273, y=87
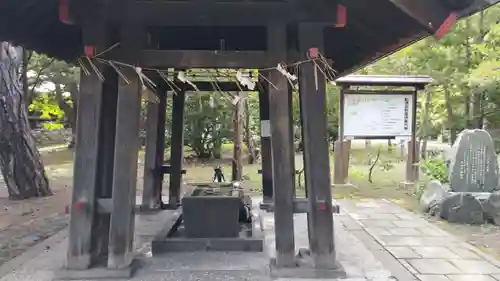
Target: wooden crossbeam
x=241, y=13
x=205, y=59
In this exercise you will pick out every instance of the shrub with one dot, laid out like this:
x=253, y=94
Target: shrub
x=436, y=168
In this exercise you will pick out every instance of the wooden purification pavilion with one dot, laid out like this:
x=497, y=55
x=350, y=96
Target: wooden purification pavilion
x=185, y=34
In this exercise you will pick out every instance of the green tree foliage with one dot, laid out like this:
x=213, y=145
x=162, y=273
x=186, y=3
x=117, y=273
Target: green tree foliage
x=465, y=68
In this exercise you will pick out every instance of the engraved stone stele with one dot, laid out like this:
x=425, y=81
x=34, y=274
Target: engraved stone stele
x=433, y=195
x=473, y=163
x=462, y=208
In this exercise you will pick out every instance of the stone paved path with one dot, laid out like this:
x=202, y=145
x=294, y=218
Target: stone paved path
x=428, y=252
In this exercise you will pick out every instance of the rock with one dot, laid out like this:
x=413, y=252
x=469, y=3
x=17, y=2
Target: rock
x=462, y=208
x=473, y=162
x=491, y=207
x=434, y=193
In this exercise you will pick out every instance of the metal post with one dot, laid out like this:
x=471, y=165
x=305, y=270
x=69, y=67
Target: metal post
x=176, y=149
x=281, y=151
x=316, y=148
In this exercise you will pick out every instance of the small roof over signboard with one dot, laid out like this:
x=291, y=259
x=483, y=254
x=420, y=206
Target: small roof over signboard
x=418, y=81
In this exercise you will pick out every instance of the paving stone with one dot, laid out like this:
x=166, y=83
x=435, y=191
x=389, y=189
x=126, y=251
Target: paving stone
x=406, y=231
x=406, y=216
x=475, y=266
x=369, y=223
x=435, y=253
x=433, y=232
x=403, y=252
x=433, y=266
x=380, y=216
x=409, y=223
x=470, y=278
x=432, y=277
x=465, y=253
x=378, y=231
x=408, y=267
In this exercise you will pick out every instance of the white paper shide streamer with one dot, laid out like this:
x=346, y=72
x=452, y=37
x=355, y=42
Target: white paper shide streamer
x=245, y=81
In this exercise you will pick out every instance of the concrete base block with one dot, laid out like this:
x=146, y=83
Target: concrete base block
x=97, y=273
x=169, y=245
x=266, y=206
x=306, y=270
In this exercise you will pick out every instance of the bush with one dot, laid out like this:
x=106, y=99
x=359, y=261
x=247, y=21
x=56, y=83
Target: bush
x=436, y=168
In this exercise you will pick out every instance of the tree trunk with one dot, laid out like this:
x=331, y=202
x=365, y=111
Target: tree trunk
x=20, y=160
x=451, y=117
x=426, y=125
x=69, y=111
x=252, y=155
x=467, y=94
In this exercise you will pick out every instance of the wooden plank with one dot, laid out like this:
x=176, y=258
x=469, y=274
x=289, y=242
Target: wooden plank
x=79, y=255
x=126, y=155
x=317, y=160
x=176, y=149
x=178, y=13
x=204, y=59
x=265, y=140
x=281, y=151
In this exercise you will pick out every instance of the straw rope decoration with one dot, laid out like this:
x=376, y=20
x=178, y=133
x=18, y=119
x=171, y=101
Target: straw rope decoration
x=321, y=64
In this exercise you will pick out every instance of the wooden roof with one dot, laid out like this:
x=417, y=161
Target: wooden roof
x=374, y=28
x=384, y=80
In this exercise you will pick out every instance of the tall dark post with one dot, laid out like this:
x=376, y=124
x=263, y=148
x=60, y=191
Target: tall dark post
x=292, y=137
x=176, y=149
x=155, y=146
x=281, y=150
x=265, y=140
x=317, y=162
x=121, y=234
x=85, y=177
x=105, y=164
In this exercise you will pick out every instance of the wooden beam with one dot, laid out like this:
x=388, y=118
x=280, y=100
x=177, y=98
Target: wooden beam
x=265, y=140
x=281, y=150
x=429, y=13
x=204, y=59
x=79, y=254
x=176, y=150
x=126, y=154
x=317, y=158
x=155, y=144
x=105, y=165
x=192, y=13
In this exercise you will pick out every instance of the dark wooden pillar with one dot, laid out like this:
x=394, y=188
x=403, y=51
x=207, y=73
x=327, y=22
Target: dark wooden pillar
x=85, y=177
x=237, y=163
x=155, y=146
x=317, y=162
x=127, y=144
x=265, y=140
x=176, y=149
x=105, y=164
x=281, y=150
x=292, y=138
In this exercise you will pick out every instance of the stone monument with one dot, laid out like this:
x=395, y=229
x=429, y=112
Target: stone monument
x=472, y=196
